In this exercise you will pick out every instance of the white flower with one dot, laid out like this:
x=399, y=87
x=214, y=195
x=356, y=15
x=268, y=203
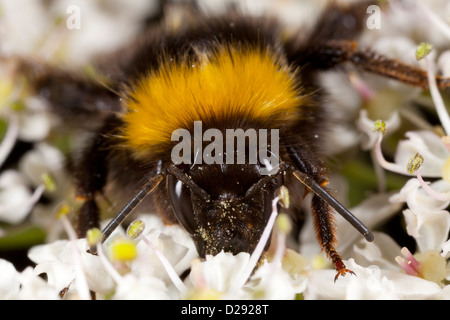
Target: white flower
x=369, y=284
x=219, y=272
x=417, y=199
x=41, y=161
x=23, y=285
x=172, y=241
x=144, y=276
x=372, y=211
x=9, y=280
x=34, y=287
x=429, y=228
x=271, y=282
x=45, y=159
x=381, y=252
x=370, y=136
x=29, y=28
x=426, y=219
x=16, y=200
x=35, y=121
x=22, y=26
x=402, y=21
x=133, y=287
x=56, y=260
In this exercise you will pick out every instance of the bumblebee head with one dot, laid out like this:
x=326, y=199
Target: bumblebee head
x=224, y=207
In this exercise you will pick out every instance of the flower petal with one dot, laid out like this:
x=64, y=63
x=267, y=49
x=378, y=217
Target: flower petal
x=429, y=228
x=220, y=271
x=370, y=283
x=429, y=145
x=9, y=280
x=14, y=197
x=141, y=288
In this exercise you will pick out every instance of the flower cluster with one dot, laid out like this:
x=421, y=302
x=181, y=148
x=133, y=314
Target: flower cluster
x=151, y=260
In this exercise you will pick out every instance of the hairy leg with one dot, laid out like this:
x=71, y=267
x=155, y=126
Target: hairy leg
x=335, y=52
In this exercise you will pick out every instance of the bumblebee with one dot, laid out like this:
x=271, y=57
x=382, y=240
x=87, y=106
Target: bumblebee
x=227, y=72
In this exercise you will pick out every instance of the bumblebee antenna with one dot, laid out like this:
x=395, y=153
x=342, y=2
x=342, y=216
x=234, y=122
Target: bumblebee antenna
x=122, y=215
x=328, y=198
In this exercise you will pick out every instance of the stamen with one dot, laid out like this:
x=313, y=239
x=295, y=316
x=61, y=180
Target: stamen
x=394, y=167
x=284, y=227
x=380, y=126
x=413, y=166
x=405, y=266
x=283, y=194
x=94, y=238
x=423, y=50
x=361, y=87
x=48, y=182
x=430, y=191
x=410, y=265
x=437, y=98
x=121, y=216
x=409, y=256
x=414, y=163
x=134, y=231
x=10, y=137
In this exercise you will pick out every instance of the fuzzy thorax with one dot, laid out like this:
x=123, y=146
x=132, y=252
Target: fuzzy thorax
x=244, y=84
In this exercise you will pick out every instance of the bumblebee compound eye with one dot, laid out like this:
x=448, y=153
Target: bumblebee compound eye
x=180, y=199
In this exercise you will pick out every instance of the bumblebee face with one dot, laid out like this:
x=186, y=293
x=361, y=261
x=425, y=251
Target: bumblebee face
x=223, y=207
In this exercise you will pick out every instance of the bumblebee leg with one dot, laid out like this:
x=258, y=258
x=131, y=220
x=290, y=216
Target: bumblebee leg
x=326, y=234
x=336, y=52
x=371, y=61
x=88, y=217
x=90, y=177
x=90, y=172
x=312, y=175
